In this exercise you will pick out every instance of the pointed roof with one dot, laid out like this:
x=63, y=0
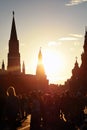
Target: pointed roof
x=23, y=68
x=75, y=70
x=3, y=65
x=13, y=35
x=76, y=63
x=86, y=28
x=85, y=40
x=40, y=71
x=76, y=66
x=85, y=31
x=40, y=55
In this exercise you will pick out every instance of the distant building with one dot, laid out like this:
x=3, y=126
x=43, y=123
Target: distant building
x=78, y=81
x=13, y=75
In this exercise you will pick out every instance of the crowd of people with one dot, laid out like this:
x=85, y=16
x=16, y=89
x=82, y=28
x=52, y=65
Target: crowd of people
x=58, y=112
x=13, y=109
x=49, y=111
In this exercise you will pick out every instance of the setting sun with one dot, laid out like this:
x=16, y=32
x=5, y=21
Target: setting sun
x=54, y=62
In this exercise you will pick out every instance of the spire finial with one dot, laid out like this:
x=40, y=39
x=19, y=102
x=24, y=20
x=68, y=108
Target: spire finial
x=76, y=61
x=76, y=58
x=40, y=47
x=40, y=51
x=13, y=13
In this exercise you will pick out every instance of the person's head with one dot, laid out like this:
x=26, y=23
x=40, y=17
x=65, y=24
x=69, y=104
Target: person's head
x=11, y=91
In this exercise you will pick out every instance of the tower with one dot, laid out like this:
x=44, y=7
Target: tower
x=75, y=70
x=40, y=72
x=23, y=68
x=3, y=65
x=84, y=57
x=78, y=82
x=13, y=52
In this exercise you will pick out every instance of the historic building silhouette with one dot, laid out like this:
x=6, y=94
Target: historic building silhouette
x=24, y=83
x=13, y=75
x=78, y=80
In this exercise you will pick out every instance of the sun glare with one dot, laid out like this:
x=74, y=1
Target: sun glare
x=54, y=63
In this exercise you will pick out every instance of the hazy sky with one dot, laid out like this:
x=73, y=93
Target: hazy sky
x=58, y=26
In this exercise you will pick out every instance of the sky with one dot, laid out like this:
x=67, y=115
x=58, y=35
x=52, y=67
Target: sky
x=57, y=26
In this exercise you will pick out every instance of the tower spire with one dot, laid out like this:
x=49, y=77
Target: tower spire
x=3, y=65
x=75, y=70
x=23, y=68
x=13, y=13
x=40, y=56
x=76, y=63
x=13, y=54
x=40, y=72
x=85, y=28
x=85, y=41
x=13, y=35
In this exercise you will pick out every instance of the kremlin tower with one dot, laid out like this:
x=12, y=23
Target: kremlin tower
x=78, y=81
x=23, y=83
x=13, y=54
x=40, y=72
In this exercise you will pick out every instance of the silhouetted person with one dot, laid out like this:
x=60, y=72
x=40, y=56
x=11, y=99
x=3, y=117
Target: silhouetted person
x=2, y=107
x=12, y=107
x=84, y=126
x=51, y=112
x=67, y=108
x=35, y=113
x=79, y=110
x=24, y=106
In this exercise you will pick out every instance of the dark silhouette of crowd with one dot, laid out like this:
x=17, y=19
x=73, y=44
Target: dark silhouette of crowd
x=49, y=111
x=13, y=109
